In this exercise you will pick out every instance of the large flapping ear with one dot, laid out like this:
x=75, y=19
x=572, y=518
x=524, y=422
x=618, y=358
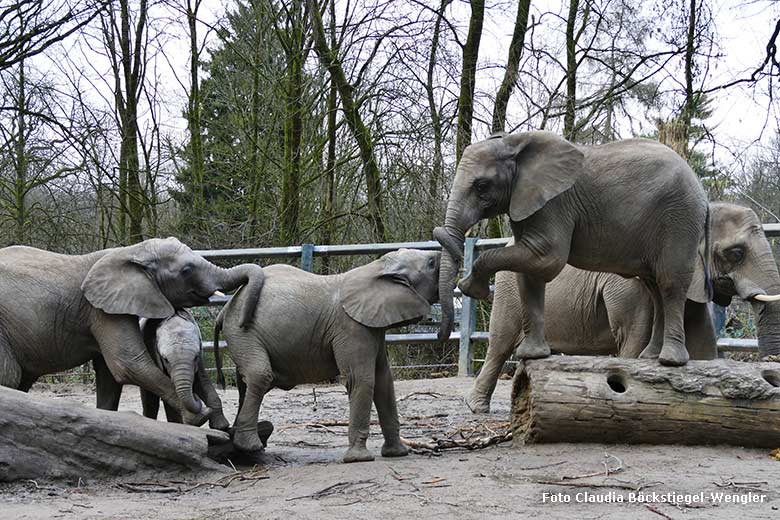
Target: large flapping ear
x=378, y=295
x=122, y=282
x=547, y=165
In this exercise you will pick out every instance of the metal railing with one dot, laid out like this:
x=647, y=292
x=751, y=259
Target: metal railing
x=467, y=334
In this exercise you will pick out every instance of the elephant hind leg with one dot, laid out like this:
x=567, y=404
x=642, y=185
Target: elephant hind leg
x=10, y=370
x=654, y=346
x=257, y=375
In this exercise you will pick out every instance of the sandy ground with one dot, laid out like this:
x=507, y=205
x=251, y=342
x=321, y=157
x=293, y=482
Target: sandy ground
x=302, y=476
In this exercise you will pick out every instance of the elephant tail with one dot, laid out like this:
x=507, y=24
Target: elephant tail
x=217, y=356
x=707, y=256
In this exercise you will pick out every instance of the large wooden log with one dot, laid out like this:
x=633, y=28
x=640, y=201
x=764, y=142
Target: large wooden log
x=54, y=438
x=613, y=400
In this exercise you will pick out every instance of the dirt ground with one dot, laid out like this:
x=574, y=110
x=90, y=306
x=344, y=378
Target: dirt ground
x=301, y=475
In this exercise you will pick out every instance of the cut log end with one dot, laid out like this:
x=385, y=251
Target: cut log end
x=613, y=400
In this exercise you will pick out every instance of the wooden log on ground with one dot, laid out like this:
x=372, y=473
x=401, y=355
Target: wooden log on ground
x=614, y=400
x=54, y=438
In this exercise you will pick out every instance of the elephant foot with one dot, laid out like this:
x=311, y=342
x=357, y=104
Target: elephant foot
x=673, y=355
x=532, y=350
x=264, y=430
x=651, y=351
x=247, y=441
x=477, y=402
x=475, y=288
x=196, y=419
x=218, y=421
x=394, y=449
x=358, y=454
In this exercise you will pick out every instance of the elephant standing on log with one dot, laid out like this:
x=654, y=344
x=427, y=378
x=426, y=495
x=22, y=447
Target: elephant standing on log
x=59, y=311
x=632, y=207
x=592, y=313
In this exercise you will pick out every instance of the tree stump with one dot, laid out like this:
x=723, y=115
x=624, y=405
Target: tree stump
x=54, y=438
x=615, y=400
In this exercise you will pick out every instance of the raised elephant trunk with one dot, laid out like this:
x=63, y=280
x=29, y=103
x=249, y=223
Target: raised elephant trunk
x=252, y=278
x=182, y=376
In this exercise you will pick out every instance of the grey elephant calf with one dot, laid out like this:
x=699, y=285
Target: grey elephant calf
x=175, y=345
x=605, y=314
x=309, y=328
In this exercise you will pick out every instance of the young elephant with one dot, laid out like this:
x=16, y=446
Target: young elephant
x=605, y=314
x=309, y=328
x=175, y=345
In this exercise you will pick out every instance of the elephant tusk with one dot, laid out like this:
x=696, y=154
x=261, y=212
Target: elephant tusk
x=767, y=297
x=219, y=294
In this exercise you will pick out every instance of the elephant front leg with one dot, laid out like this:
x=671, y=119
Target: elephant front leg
x=107, y=390
x=128, y=360
x=533, y=345
x=360, y=387
x=386, y=408
x=257, y=376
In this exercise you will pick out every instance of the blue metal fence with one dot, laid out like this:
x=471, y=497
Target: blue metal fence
x=467, y=334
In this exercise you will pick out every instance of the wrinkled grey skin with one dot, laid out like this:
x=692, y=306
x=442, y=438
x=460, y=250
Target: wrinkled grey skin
x=59, y=311
x=586, y=206
x=591, y=313
x=176, y=347
x=310, y=328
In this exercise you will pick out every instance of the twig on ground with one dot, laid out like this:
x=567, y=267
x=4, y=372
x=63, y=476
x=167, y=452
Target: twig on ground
x=465, y=443
x=338, y=488
x=607, y=470
x=659, y=513
x=435, y=395
x=527, y=468
x=745, y=486
x=630, y=487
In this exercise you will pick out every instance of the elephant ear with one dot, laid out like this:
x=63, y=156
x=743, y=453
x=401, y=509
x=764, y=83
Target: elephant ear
x=698, y=290
x=547, y=165
x=380, y=295
x=122, y=283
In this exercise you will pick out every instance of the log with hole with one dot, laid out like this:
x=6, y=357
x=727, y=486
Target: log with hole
x=615, y=400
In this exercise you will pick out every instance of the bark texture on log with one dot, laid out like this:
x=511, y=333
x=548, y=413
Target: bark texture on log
x=614, y=400
x=53, y=438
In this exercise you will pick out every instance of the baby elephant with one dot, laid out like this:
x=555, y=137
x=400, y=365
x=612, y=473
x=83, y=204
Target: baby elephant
x=309, y=328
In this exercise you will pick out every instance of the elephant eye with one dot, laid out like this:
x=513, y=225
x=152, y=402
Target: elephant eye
x=734, y=255
x=481, y=185
x=432, y=263
x=187, y=269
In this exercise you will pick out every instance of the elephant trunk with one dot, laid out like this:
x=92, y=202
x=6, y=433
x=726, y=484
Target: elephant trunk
x=251, y=277
x=451, y=237
x=182, y=376
x=768, y=328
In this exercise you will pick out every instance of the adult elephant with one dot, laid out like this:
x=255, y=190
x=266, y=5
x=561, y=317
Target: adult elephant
x=631, y=207
x=59, y=311
x=592, y=313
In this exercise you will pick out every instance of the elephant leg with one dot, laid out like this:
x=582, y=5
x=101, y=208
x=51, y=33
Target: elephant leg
x=700, y=336
x=150, y=403
x=674, y=352
x=241, y=385
x=630, y=313
x=27, y=381
x=386, y=407
x=108, y=391
x=171, y=413
x=258, y=378
x=129, y=361
x=531, y=292
x=653, y=348
x=204, y=388
x=10, y=370
x=358, y=367
x=506, y=332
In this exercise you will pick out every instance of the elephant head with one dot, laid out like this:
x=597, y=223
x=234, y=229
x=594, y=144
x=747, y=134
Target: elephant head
x=743, y=265
x=397, y=289
x=176, y=345
x=515, y=174
x=154, y=277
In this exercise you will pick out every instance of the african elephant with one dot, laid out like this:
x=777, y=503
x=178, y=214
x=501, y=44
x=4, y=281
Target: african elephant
x=59, y=311
x=631, y=207
x=592, y=313
x=309, y=328
x=176, y=347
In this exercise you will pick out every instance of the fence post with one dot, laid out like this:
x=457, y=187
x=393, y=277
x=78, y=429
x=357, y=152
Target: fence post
x=468, y=315
x=307, y=257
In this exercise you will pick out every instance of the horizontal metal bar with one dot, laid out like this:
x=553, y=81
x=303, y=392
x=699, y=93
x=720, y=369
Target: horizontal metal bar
x=737, y=345
x=772, y=230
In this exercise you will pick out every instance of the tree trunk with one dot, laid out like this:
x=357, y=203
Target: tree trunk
x=194, y=113
x=329, y=204
x=52, y=438
x=468, y=78
x=512, y=64
x=21, y=164
x=571, y=72
x=614, y=400
x=329, y=59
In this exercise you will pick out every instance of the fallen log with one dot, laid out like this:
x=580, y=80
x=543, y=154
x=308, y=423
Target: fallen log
x=614, y=400
x=54, y=439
